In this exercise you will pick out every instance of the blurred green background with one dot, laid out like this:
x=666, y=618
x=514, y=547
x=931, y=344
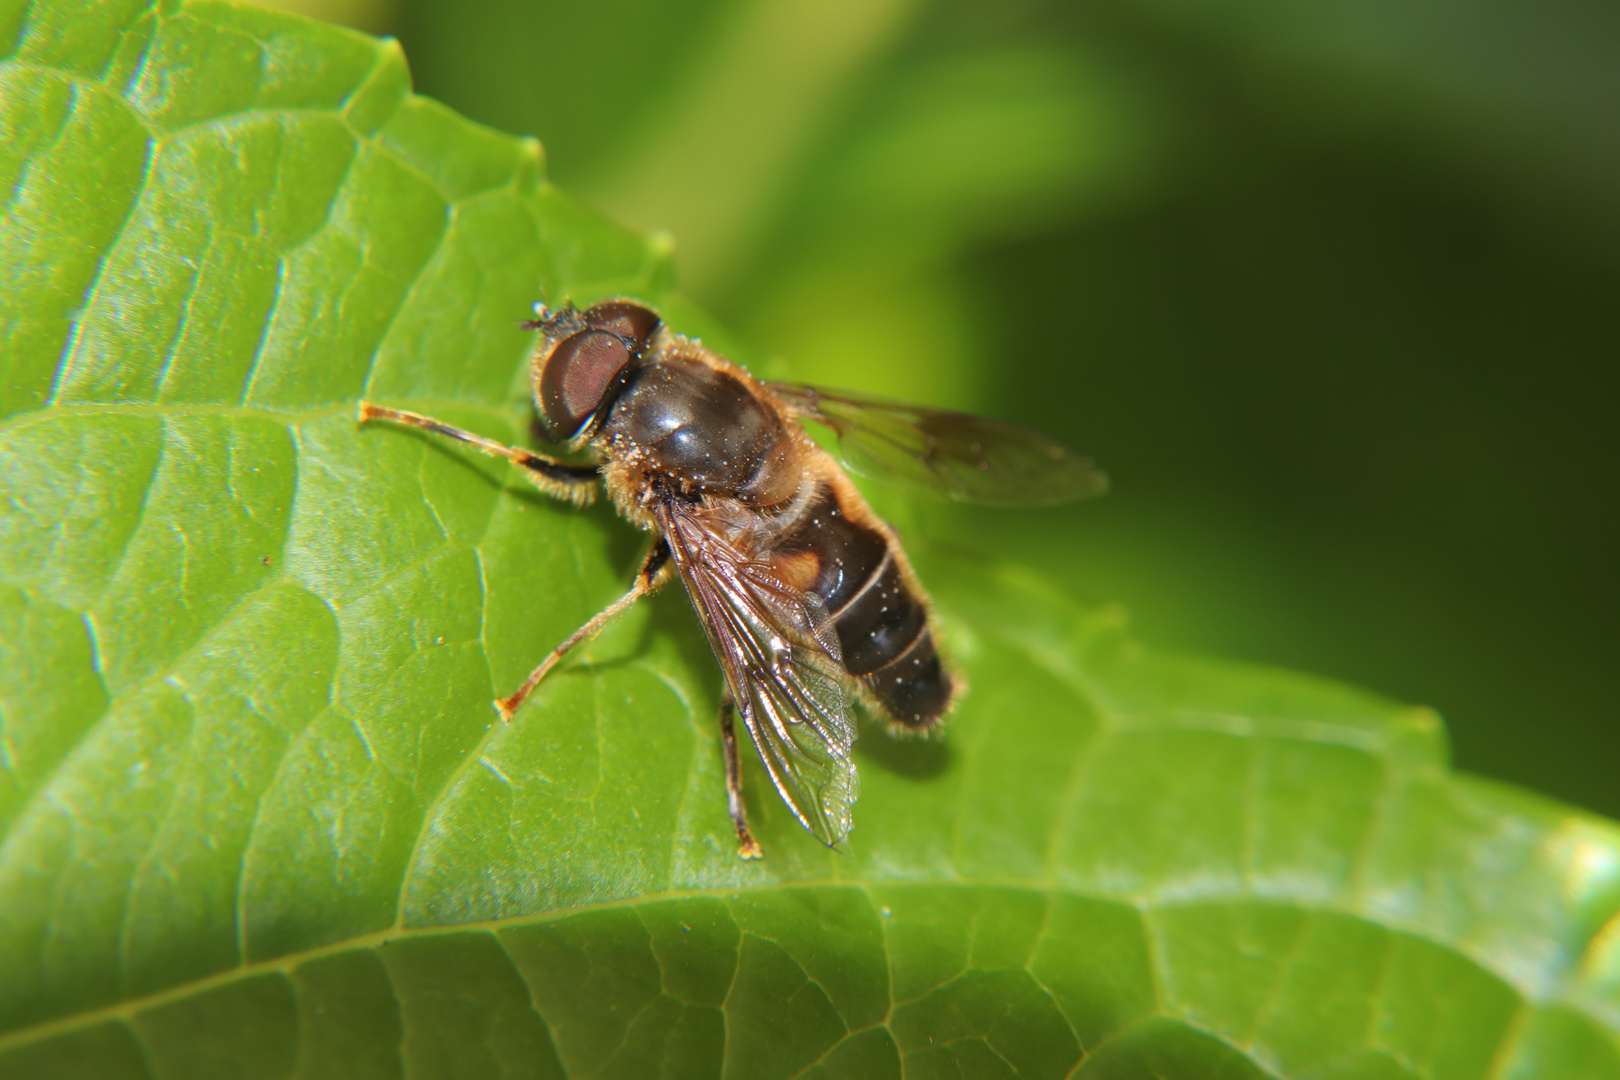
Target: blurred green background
x=1332, y=290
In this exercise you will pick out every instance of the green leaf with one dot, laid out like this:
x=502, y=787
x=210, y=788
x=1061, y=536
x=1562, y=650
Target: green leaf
x=259, y=818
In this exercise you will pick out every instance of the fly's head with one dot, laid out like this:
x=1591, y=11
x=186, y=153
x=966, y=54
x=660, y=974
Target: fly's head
x=584, y=359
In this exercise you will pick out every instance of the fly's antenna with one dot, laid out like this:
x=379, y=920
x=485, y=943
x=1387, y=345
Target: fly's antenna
x=549, y=316
x=542, y=315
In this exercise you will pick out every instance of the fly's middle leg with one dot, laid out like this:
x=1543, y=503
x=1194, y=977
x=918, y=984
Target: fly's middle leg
x=747, y=846
x=647, y=579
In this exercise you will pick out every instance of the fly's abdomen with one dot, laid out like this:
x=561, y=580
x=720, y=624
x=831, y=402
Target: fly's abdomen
x=914, y=688
x=882, y=622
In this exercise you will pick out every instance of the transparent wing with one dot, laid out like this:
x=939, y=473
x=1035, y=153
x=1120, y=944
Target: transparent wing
x=782, y=663
x=963, y=457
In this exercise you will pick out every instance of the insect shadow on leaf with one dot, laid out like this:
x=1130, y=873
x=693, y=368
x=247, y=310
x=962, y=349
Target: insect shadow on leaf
x=914, y=759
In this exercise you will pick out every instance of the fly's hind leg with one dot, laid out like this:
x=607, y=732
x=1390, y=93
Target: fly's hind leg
x=576, y=483
x=647, y=579
x=747, y=846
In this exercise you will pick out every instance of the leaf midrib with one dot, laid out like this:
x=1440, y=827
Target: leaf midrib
x=127, y=1008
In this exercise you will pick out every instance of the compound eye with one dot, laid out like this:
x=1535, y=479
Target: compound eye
x=625, y=318
x=577, y=376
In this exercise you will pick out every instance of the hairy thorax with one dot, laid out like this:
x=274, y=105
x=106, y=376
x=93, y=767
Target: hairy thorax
x=687, y=427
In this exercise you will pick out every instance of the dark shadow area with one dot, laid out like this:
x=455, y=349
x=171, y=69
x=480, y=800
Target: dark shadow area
x=672, y=615
x=908, y=756
x=1358, y=424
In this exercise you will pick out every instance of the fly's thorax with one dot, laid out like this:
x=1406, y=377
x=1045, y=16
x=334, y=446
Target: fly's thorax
x=702, y=428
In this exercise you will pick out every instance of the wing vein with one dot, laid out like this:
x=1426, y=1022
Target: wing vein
x=779, y=657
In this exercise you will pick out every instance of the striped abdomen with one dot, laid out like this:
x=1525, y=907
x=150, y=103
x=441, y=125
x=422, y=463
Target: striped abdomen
x=882, y=622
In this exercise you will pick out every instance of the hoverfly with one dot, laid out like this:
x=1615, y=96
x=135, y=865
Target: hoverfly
x=807, y=598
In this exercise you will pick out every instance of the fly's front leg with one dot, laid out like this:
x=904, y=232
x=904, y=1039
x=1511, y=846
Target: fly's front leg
x=747, y=846
x=648, y=578
x=576, y=483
